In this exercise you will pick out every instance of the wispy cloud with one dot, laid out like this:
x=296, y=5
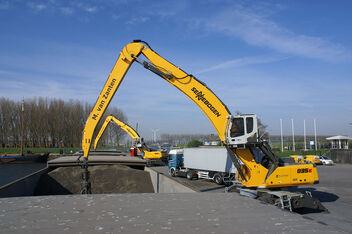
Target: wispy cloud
x=137, y=20
x=67, y=10
x=258, y=29
x=37, y=6
x=90, y=9
x=240, y=62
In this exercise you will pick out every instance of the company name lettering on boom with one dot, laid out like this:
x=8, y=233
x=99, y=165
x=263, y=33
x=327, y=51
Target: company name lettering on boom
x=201, y=97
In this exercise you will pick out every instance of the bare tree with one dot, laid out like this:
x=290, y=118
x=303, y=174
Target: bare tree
x=50, y=121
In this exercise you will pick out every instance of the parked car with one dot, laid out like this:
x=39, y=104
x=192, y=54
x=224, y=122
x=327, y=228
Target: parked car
x=326, y=161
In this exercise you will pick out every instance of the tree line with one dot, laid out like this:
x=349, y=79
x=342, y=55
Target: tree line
x=48, y=122
x=181, y=139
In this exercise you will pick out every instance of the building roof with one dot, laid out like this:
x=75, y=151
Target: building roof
x=339, y=138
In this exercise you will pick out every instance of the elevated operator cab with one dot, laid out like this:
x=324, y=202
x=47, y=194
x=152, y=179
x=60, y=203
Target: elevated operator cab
x=242, y=129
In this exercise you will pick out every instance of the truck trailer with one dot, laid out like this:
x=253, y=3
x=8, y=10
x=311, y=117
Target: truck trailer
x=212, y=163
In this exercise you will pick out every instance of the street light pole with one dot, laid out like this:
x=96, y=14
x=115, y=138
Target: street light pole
x=282, y=141
x=154, y=134
x=293, y=136
x=22, y=111
x=305, y=136
x=315, y=136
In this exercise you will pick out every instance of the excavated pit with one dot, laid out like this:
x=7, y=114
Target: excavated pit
x=103, y=178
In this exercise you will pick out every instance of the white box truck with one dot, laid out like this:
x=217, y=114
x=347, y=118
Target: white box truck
x=213, y=163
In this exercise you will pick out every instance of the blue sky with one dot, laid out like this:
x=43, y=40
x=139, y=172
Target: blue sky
x=277, y=59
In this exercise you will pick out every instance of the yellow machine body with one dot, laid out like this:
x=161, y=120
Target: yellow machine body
x=298, y=158
x=312, y=159
x=283, y=176
x=255, y=175
x=147, y=153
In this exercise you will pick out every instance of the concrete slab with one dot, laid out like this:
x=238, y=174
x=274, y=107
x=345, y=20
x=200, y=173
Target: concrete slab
x=96, y=160
x=150, y=213
x=107, y=153
x=165, y=184
x=199, y=185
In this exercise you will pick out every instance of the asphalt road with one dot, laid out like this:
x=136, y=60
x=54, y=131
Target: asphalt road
x=334, y=191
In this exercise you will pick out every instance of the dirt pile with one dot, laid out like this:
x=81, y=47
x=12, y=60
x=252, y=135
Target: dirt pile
x=103, y=178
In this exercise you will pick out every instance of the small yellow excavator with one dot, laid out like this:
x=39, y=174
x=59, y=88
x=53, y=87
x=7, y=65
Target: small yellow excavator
x=153, y=157
x=259, y=170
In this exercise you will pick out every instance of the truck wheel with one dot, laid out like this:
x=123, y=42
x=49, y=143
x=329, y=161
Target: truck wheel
x=173, y=172
x=189, y=175
x=217, y=179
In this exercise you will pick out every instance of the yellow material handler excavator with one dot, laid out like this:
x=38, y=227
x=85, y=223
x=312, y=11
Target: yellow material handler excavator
x=153, y=157
x=257, y=166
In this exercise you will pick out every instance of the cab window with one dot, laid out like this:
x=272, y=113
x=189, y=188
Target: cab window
x=249, y=124
x=237, y=128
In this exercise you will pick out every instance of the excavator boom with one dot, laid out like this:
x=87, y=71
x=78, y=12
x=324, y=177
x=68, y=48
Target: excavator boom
x=130, y=131
x=147, y=152
x=197, y=91
x=238, y=133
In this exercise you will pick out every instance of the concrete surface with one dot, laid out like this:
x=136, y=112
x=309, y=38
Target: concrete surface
x=107, y=152
x=97, y=160
x=200, y=185
x=334, y=191
x=164, y=184
x=150, y=213
x=175, y=213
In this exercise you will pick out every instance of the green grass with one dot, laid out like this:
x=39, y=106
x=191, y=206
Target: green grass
x=287, y=153
x=65, y=150
x=121, y=148
x=37, y=150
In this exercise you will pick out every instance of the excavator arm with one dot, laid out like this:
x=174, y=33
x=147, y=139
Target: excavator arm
x=238, y=133
x=197, y=91
x=129, y=130
x=147, y=152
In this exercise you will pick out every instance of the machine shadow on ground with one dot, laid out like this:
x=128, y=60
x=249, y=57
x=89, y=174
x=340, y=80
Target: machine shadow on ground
x=321, y=196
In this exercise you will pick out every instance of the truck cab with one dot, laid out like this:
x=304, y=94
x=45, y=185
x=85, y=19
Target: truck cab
x=175, y=161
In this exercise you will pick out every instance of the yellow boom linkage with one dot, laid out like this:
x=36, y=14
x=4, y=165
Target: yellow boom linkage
x=238, y=133
x=130, y=131
x=147, y=152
